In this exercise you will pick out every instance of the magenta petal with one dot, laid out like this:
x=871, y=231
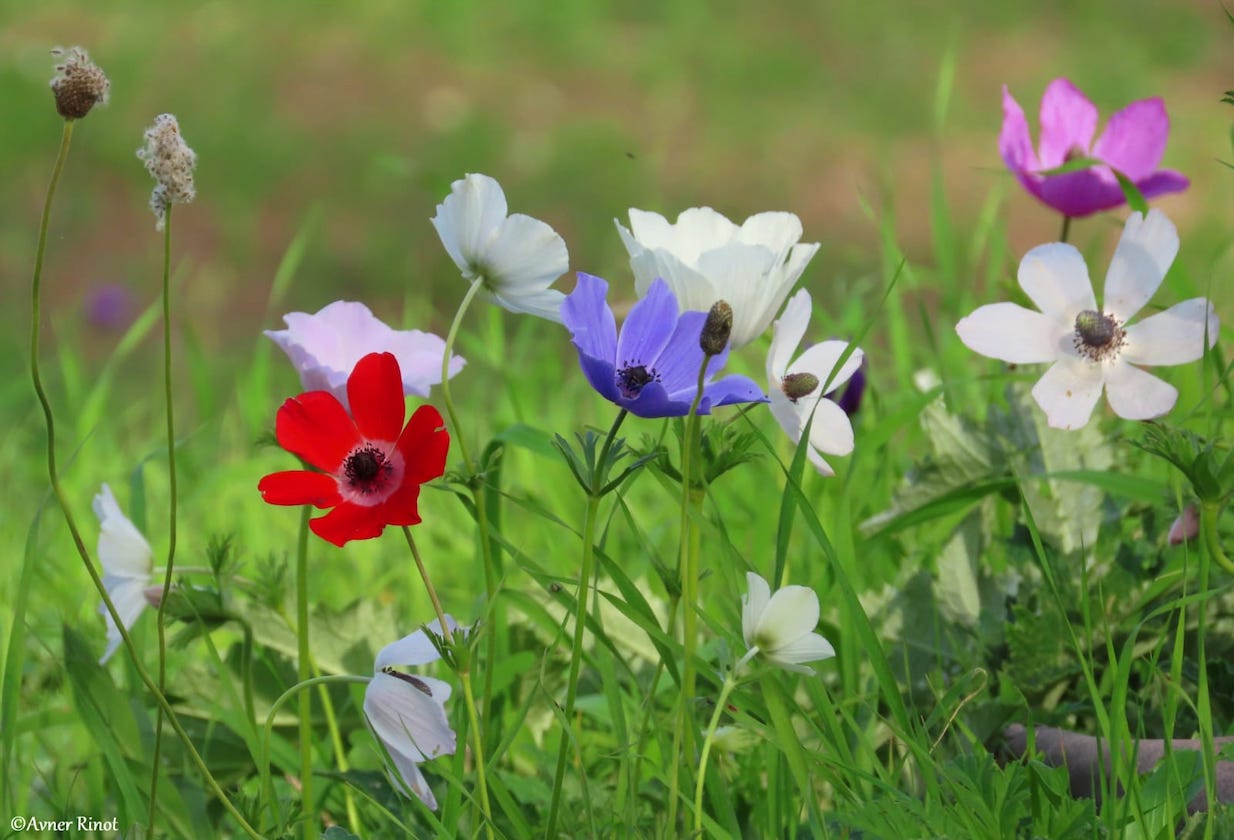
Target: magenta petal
x=1081, y=193
x=1162, y=183
x=1014, y=142
x=1068, y=121
x=1134, y=140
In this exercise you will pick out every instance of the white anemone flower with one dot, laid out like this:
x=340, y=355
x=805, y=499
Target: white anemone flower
x=126, y=559
x=796, y=388
x=517, y=257
x=1094, y=349
x=781, y=626
x=324, y=348
x=407, y=712
x=704, y=258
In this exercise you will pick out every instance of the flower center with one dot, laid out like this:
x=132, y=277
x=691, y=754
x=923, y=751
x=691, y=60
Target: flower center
x=418, y=685
x=1098, y=337
x=368, y=470
x=632, y=377
x=1075, y=152
x=798, y=385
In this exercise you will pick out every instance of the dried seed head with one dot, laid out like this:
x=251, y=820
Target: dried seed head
x=79, y=84
x=798, y=385
x=171, y=162
x=717, y=328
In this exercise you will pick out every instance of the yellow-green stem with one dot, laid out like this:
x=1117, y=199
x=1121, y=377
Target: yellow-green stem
x=304, y=673
x=576, y=659
x=464, y=676
x=71, y=522
x=691, y=506
x=171, y=514
x=1062, y=236
x=730, y=682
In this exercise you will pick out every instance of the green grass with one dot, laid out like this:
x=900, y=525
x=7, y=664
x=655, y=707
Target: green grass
x=975, y=569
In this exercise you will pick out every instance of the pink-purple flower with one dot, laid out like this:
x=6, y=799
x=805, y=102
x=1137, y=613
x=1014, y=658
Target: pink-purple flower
x=1133, y=143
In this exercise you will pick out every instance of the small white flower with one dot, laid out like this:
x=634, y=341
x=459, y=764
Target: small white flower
x=705, y=258
x=1091, y=349
x=517, y=256
x=781, y=626
x=171, y=162
x=797, y=389
x=325, y=347
x=407, y=713
x=126, y=558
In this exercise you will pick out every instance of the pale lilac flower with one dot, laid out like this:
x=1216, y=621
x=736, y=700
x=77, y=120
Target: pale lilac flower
x=1133, y=143
x=126, y=559
x=704, y=258
x=325, y=347
x=780, y=627
x=407, y=713
x=517, y=256
x=796, y=387
x=1092, y=350
x=1186, y=527
x=651, y=369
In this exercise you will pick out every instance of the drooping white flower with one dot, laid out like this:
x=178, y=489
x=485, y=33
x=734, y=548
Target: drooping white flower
x=126, y=558
x=517, y=256
x=797, y=388
x=704, y=258
x=781, y=626
x=325, y=347
x=1094, y=349
x=407, y=713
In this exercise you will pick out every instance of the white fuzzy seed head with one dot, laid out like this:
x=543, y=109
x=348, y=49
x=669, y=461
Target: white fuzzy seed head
x=171, y=162
x=79, y=83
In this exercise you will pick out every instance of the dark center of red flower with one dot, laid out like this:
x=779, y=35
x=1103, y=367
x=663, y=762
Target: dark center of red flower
x=418, y=685
x=632, y=377
x=1098, y=336
x=366, y=469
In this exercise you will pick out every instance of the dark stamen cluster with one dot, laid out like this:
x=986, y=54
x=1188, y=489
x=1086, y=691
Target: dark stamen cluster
x=366, y=468
x=418, y=685
x=1098, y=336
x=632, y=377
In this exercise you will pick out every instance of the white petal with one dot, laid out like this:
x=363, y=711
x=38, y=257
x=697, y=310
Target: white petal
x=410, y=781
x=525, y=255
x=128, y=596
x=698, y=230
x=753, y=604
x=1173, y=337
x=1068, y=392
x=649, y=230
x=407, y=720
x=468, y=218
x=414, y=648
x=807, y=648
x=1144, y=253
x=1011, y=333
x=546, y=303
x=122, y=549
x=779, y=231
x=820, y=464
x=823, y=360
x=786, y=334
x=742, y=275
x=831, y=431
x=791, y=613
x=1136, y=394
x=1055, y=276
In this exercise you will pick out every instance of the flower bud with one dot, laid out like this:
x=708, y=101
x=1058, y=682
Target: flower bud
x=79, y=84
x=798, y=385
x=716, y=329
x=1186, y=527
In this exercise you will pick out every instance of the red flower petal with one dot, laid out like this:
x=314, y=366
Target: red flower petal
x=316, y=427
x=300, y=487
x=348, y=522
x=424, y=444
x=402, y=508
x=375, y=392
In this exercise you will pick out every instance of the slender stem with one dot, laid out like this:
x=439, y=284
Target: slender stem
x=730, y=682
x=691, y=503
x=171, y=513
x=1210, y=512
x=305, y=673
x=464, y=676
x=340, y=754
x=71, y=522
x=445, y=372
x=1203, y=698
x=576, y=659
x=1062, y=237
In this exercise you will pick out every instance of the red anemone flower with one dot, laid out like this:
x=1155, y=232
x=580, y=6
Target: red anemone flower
x=371, y=465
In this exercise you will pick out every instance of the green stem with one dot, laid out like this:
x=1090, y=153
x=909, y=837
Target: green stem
x=1062, y=237
x=340, y=755
x=171, y=513
x=1210, y=512
x=445, y=372
x=576, y=659
x=691, y=505
x=730, y=682
x=1203, y=699
x=464, y=676
x=304, y=673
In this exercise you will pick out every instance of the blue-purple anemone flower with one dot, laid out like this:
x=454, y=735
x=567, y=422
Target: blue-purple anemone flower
x=652, y=369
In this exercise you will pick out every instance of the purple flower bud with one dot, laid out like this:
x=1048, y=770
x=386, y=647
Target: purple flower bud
x=1186, y=527
x=109, y=307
